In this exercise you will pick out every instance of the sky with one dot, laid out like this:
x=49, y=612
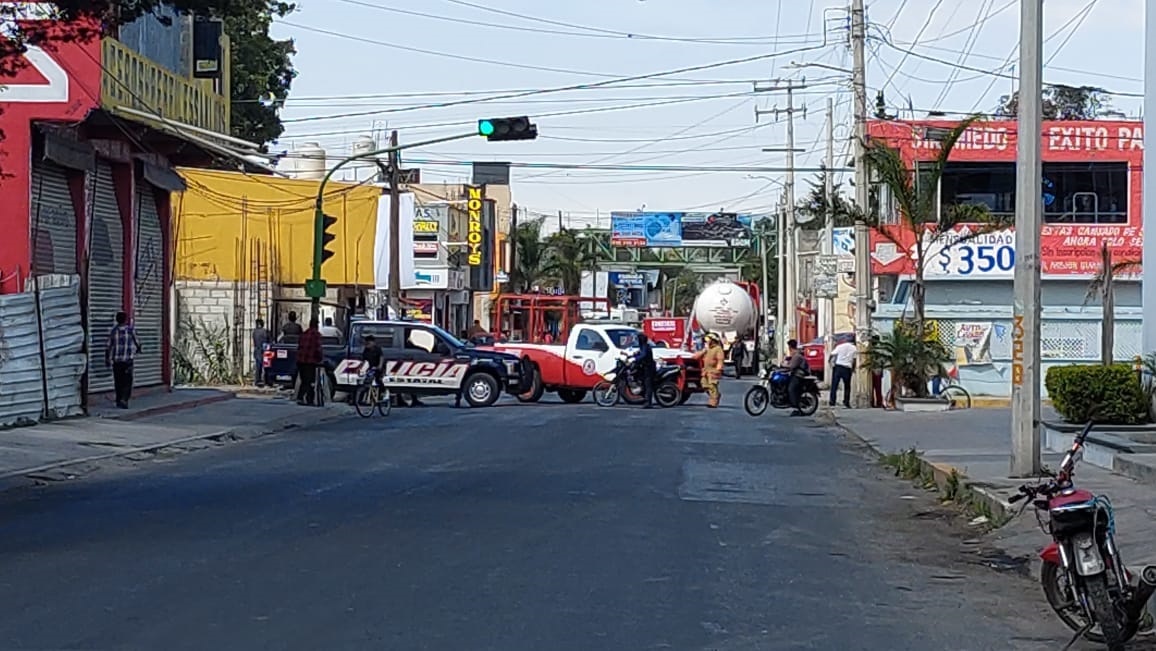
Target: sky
x=421, y=67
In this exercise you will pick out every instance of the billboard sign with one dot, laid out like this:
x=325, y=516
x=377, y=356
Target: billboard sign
x=475, y=200
x=680, y=229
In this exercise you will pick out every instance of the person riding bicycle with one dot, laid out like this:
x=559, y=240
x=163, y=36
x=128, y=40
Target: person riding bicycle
x=373, y=355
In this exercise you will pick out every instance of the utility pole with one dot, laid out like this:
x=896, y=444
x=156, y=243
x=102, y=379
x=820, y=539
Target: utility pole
x=1148, y=194
x=1025, y=425
x=827, y=305
x=788, y=243
x=394, y=224
x=763, y=234
x=863, y=281
x=781, y=295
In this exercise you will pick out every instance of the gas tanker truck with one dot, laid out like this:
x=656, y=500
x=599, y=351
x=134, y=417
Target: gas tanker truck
x=730, y=310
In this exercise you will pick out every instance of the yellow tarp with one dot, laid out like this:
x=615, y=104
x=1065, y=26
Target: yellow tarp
x=233, y=226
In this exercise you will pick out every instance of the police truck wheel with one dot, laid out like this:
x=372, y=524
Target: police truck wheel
x=536, y=387
x=481, y=389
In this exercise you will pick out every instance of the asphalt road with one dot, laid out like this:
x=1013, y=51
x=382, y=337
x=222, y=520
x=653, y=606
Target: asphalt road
x=550, y=527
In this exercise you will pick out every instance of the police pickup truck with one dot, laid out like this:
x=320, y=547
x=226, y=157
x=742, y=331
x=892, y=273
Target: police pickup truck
x=424, y=360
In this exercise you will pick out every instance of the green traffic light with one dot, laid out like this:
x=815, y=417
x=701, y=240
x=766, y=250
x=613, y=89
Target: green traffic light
x=486, y=128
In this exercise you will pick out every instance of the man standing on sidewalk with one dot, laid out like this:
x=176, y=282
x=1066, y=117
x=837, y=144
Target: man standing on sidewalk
x=122, y=348
x=842, y=368
x=260, y=338
x=309, y=358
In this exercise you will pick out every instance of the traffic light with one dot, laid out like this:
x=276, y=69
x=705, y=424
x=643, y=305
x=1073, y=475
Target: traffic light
x=502, y=129
x=327, y=237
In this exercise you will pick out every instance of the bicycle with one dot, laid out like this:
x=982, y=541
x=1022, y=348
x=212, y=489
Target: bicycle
x=369, y=395
x=950, y=390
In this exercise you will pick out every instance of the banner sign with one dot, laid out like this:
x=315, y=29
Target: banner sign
x=1066, y=251
x=475, y=196
x=680, y=229
x=972, y=343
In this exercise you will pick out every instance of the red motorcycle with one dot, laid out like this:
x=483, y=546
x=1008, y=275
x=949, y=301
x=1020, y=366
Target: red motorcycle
x=1083, y=576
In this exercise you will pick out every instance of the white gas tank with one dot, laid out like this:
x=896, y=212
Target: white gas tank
x=725, y=307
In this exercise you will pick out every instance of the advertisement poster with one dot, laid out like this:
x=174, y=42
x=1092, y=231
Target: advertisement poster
x=973, y=343
x=419, y=309
x=679, y=229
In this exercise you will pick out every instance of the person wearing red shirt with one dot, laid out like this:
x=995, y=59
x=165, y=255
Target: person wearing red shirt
x=309, y=358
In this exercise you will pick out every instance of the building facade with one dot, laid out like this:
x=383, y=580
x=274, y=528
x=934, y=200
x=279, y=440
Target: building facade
x=1091, y=195
x=89, y=129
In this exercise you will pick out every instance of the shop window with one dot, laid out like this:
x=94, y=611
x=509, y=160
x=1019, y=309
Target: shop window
x=1086, y=193
x=991, y=185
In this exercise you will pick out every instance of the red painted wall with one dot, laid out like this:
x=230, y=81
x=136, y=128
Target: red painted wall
x=60, y=82
x=1067, y=250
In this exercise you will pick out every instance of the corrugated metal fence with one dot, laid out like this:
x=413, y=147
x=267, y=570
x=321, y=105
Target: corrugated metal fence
x=22, y=333
x=1068, y=336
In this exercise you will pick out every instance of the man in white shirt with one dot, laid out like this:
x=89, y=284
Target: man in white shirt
x=842, y=367
x=330, y=330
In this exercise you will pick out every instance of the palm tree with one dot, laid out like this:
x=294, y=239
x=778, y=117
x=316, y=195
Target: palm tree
x=567, y=255
x=916, y=198
x=1103, y=287
x=529, y=257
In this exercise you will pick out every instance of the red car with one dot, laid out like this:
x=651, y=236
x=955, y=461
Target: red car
x=813, y=352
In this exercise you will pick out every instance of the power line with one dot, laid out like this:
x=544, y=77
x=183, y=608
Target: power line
x=596, y=84
x=749, y=41
x=968, y=46
x=926, y=24
x=637, y=168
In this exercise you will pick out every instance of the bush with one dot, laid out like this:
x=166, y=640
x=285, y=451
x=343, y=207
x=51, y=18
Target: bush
x=1094, y=392
x=912, y=361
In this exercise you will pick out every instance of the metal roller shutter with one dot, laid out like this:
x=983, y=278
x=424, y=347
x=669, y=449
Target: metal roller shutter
x=148, y=289
x=52, y=221
x=105, y=276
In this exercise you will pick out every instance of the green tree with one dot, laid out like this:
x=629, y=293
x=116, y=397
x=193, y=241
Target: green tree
x=568, y=254
x=1061, y=102
x=261, y=69
x=821, y=208
x=529, y=255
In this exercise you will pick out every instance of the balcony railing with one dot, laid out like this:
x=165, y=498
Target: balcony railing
x=130, y=80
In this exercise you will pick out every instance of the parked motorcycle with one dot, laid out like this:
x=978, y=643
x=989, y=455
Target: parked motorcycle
x=771, y=390
x=1083, y=576
x=666, y=391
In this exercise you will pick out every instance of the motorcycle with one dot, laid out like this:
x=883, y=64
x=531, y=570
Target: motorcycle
x=1083, y=576
x=623, y=382
x=771, y=389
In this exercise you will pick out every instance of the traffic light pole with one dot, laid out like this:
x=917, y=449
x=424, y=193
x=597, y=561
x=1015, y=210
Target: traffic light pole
x=394, y=226
x=315, y=287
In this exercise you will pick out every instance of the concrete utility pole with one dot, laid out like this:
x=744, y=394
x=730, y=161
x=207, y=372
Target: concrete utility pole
x=1025, y=452
x=764, y=308
x=863, y=282
x=1148, y=286
x=781, y=295
x=827, y=305
x=788, y=244
x=394, y=224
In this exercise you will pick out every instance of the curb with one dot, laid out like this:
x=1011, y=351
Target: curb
x=942, y=474
x=274, y=427
x=160, y=410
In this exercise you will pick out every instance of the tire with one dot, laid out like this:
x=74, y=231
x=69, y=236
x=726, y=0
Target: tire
x=480, y=389
x=534, y=394
x=606, y=394
x=572, y=396
x=362, y=401
x=957, y=396
x=756, y=400
x=666, y=394
x=384, y=402
x=1107, y=617
x=808, y=403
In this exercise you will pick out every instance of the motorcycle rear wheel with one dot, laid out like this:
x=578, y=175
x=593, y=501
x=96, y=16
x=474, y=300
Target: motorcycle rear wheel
x=808, y=403
x=1068, y=611
x=666, y=394
x=756, y=400
x=1107, y=615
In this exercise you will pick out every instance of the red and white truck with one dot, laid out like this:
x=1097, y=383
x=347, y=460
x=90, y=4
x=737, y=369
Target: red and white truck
x=571, y=369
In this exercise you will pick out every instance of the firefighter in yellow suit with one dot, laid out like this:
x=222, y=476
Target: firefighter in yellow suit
x=712, y=357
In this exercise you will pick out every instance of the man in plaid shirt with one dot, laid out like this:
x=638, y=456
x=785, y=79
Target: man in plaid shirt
x=122, y=348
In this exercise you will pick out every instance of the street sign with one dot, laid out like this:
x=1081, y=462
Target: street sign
x=846, y=264
x=827, y=265
x=315, y=288
x=825, y=283
x=826, y=287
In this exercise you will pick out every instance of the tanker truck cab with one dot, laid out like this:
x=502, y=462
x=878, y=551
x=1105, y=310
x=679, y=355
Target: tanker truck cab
x=572, y=369
x=425, y=360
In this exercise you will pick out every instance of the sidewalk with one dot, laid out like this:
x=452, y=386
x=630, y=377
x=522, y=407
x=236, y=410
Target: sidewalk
x=976, y=442
x=154, y=422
